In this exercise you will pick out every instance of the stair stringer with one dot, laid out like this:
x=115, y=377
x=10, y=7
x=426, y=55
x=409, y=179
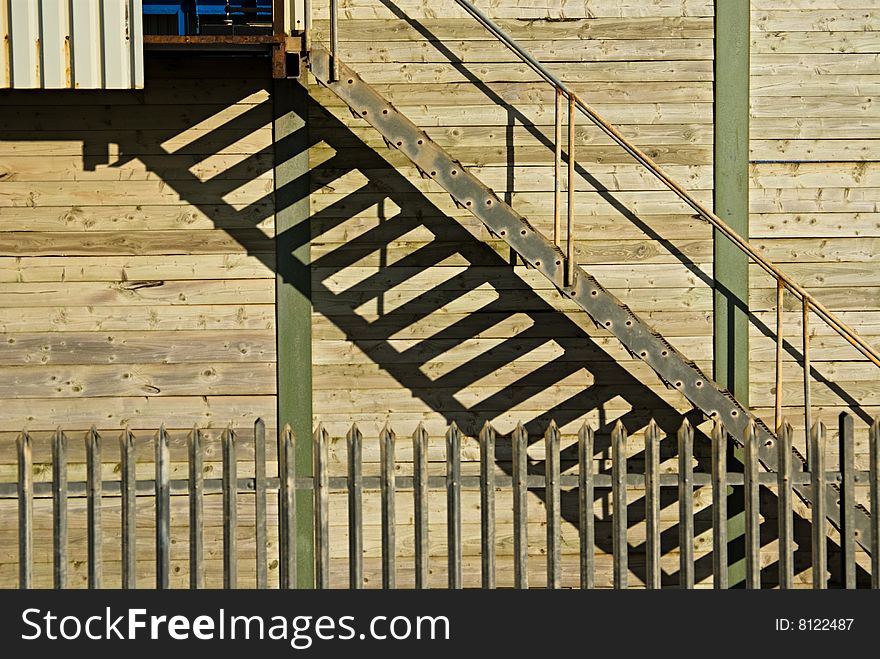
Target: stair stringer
x=673, y=367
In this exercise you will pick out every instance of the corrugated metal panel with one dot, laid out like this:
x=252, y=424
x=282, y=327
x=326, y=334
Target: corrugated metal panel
x=71, y=44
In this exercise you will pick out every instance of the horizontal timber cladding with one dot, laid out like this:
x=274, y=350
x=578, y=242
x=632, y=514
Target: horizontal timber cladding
x=137, y=261
x=419, y=313
x=815, y=195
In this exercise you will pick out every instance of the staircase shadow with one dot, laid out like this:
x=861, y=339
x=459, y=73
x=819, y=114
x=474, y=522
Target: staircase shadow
x=580, y=350
x=484, y=266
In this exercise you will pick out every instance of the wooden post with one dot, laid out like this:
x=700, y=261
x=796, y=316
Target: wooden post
x=59, y=509
x=874, y=476
x=25, y=512
x=847, y=500
x=322, y=504
x=230, y=510
x=817, y=487
x=620, y=546
x=287, y=508
x=420, y=504
x=453, y=504
x=784, y=499
x=196, y=511
x=752, y=509
x=487, y=505
x=585, y=505
x=163, y=511
x=552, y=496
x=520, y=441
x=93, y=505
x=731, y=204
x=354, y=439
x=652, y=505
x=129, y=509
x=388, y=487
x=719, y=506
x=293, y=298
x=262, y=572
x=686, y=505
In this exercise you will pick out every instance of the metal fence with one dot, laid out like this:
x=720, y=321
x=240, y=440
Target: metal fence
x=585, y=482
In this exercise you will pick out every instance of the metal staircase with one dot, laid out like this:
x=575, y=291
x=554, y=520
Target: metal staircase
x=559, y=266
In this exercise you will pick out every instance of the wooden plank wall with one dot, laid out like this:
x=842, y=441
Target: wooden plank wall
x=815, y=147
x=136, y=269
x=419, y=315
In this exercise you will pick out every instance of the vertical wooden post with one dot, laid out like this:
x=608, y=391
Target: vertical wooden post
x=230, y=510
x=553, y=497
x=520, y=441
x=420, y=503
x=652, y=505
x=25, y=512
x=93, y=506
x=163, y=511
x=874, y=476
x=817, y=488
x=719, y=506
x=354, y=440
x=731, y=199
x=731, y=203
x=322, y=503
x=620, y=547
x=388, y=486
x=453, y=504
x=752, y=509
x=847, y=500
x=129, y=509
x=290, y=138
x=585, y=506
x=260, y=503
x=196, y=511
x=287, y=507
x=686, y=505
x=59, y=509
x=785, y=511
x=487, y=505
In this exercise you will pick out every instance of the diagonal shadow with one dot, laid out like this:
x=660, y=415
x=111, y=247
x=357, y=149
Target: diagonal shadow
x=484, y=267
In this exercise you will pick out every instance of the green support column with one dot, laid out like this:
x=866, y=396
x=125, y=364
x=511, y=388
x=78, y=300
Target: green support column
x=731, y=266
x=293, y=296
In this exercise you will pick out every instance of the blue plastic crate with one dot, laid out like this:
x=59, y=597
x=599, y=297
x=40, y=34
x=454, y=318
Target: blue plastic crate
x=188, y=12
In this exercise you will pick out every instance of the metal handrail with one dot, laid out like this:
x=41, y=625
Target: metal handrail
x=808, y=302
x=645, y=160
x=783, y=281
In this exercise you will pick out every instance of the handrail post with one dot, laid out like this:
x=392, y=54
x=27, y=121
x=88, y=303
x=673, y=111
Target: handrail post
x=843, y=329
x=334, y=40
x=808, y=414
x=557, y=166
x=780, y=294
x=569, y=265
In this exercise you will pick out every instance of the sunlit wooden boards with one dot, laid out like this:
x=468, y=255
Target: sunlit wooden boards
x=137, y=256
x=815, y=147
x=420, y=315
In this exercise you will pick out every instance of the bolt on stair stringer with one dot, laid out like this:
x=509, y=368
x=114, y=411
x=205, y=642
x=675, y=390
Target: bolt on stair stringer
x=538, y=251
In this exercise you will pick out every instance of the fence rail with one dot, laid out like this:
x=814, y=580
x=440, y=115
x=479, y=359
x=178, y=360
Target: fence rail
x=524, y=480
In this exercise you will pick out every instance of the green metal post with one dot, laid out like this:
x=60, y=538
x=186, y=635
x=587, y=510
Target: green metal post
x=293, y=298
x=731, y=267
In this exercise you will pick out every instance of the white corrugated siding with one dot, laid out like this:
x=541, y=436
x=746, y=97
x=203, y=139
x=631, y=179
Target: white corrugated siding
x=71, y=44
